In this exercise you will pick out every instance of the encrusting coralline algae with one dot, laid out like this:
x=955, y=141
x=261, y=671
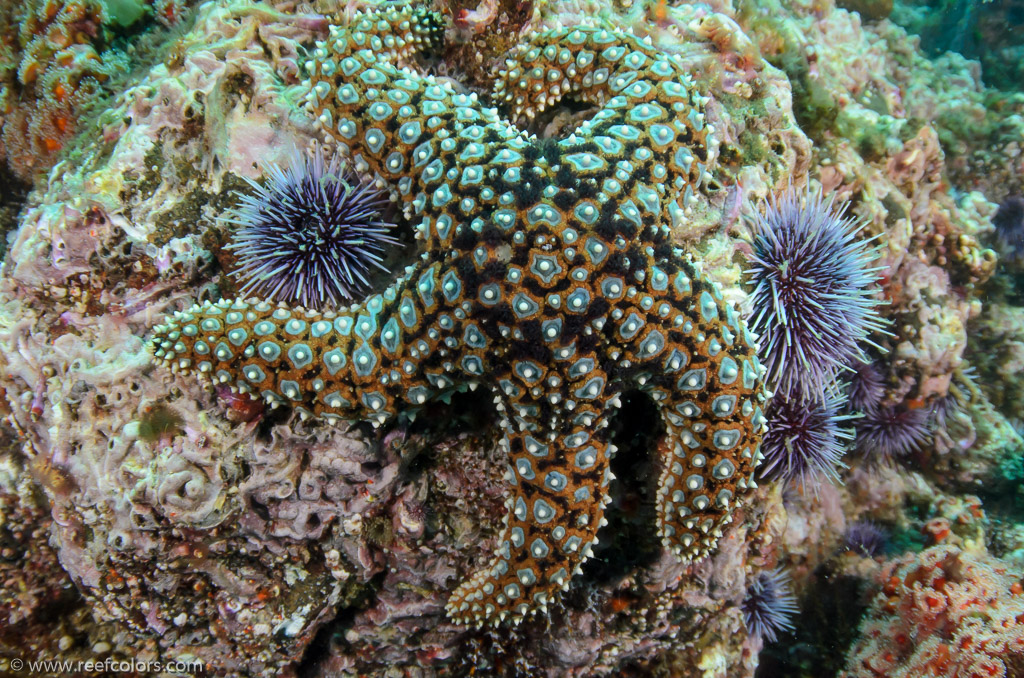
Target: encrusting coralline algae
x=173, y=520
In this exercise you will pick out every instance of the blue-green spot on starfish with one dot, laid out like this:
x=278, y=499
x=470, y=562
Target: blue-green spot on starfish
x=547, y=275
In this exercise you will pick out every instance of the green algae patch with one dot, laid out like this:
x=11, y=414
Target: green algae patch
x=193, y=209
x=814, y=106
x=160, y=421
x=379, y=531
x=757, y=144
x=140, y=188
x=870, y=10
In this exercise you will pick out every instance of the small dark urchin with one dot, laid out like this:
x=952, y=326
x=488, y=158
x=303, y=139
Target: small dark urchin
x=812, y=303
x=310, y=235
x=769, y=605
x=1009, y=223
x=865, y=538
x=866, y=387
x=804, y=441
x=891, y=432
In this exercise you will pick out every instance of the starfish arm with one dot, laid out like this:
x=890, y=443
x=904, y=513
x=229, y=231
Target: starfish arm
x=394, y=31
x=689, y=351
x=387, y=354
x=559, y=478
x=434, y=146
x=651, y=117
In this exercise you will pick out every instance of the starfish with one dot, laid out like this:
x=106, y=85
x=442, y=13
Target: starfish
x=547, y=275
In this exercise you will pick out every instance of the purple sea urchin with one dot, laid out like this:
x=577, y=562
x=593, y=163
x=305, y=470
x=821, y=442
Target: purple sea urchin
x=1009, y=223
x=866, y=387
x=311, y=235
x=891, y=432
x=813, y=300
x=865, y=538
x=769, y=605
x=804, y=441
